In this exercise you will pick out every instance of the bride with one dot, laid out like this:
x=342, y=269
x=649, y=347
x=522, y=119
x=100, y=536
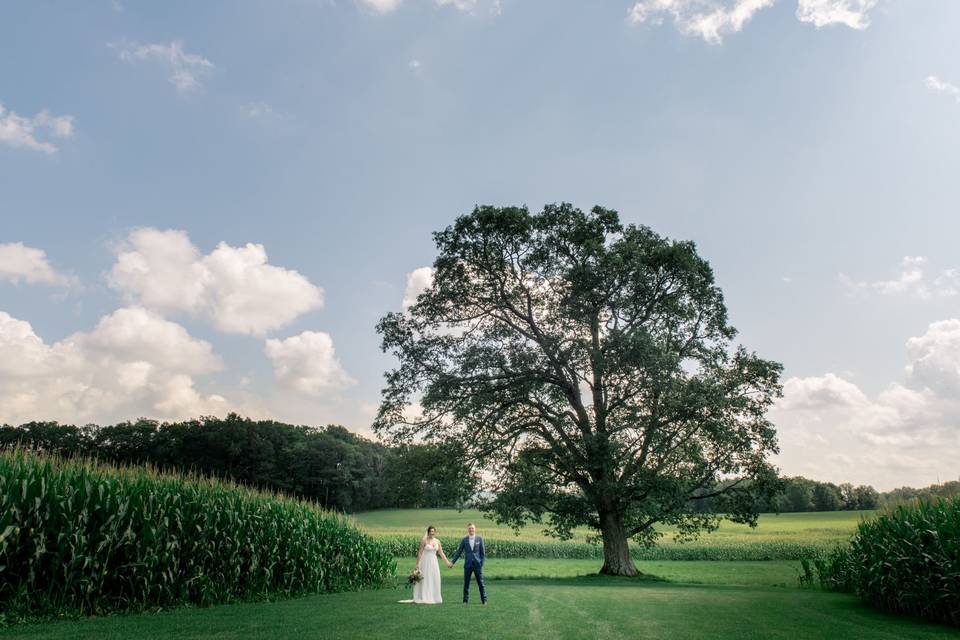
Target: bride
x=427, y=591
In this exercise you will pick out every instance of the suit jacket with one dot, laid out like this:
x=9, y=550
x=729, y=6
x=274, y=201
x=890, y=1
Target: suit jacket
x=472, y=558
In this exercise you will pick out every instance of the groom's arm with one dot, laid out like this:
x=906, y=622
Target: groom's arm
x=483, y=552
x=456, y=556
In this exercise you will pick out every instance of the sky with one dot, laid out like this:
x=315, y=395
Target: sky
x=206, y=207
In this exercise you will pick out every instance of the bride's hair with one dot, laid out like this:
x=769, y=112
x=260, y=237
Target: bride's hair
x=426, y=534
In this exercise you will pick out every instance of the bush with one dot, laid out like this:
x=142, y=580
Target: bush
x=773, y=550
x=81, y=537
x=904, y=561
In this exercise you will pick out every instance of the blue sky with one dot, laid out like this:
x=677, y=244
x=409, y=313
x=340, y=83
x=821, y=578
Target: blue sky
x=809, y=147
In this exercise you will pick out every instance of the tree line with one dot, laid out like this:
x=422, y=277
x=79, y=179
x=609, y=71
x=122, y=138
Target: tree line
x=330, y=465
x=346, y=472
x=799, y=494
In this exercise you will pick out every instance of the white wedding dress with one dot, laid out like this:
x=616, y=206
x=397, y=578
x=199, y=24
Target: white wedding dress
x=427, y=591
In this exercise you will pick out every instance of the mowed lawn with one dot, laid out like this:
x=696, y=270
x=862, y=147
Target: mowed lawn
x=825, y=528
x=549, y=608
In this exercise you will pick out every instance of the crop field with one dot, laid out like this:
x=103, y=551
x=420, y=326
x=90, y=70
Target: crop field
x=821, y=528
x=777, y=537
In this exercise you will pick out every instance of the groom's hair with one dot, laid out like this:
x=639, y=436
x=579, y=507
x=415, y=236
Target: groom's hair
x=470, y=524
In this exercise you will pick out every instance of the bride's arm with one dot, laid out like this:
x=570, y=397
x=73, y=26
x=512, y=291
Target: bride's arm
x=420, y=552
x=443, y=555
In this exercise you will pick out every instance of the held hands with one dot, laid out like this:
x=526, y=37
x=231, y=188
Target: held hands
x=449, y=565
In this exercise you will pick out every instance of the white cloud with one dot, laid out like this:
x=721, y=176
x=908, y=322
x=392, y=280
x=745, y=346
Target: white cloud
x=263, y=112
x=714, y=19
x=22, y=263
x=822, y=13
x=380, y=6
x=257, y=110
x=905, y=434
x=414, y=64
x=708, y=19
x=418, y=281
x=935, y=358
x=133, y=363
x=939, y=85
x=185, y=69
x=234, y=288
x=23, y=131
x=307, y=363
x=494, y=7
x=912, y=281
x=821, y=392
x=383, y=7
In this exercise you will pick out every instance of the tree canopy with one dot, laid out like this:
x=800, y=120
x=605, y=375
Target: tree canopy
x=330, y=465
x=588, y=365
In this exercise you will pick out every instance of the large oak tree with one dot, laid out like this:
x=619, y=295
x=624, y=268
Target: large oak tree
x=590, y=366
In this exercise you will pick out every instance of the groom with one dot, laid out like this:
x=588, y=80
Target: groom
x=473, y=556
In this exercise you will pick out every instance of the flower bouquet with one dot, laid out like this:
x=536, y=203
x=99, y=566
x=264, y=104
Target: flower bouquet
x=414, y=577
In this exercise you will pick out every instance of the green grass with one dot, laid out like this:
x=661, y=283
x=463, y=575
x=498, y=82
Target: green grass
x=778, y=537
x=553, y=608
x=774, y=573
x=827, y=528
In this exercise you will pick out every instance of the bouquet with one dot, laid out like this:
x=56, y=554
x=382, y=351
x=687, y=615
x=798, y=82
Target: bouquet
x=414, y=577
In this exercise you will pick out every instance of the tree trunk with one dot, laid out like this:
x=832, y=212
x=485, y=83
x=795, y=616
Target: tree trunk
x=616, y=553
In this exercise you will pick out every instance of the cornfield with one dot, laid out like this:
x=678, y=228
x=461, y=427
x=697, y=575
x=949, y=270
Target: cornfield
x=499, y=548
x=905, y=561
x=80, y=537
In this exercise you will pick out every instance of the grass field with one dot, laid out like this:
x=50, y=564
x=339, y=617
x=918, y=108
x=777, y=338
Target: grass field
x=773, y=573
x=825, y=528
x=549, y=608
x=545, y=598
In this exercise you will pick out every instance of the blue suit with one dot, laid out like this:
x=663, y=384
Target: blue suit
x=472, y=563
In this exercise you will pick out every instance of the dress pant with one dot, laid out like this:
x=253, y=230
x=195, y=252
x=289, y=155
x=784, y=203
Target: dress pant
x=476, y=570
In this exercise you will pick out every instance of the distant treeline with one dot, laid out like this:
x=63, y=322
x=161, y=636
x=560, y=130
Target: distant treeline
x=802, y=494
x=346, y=472
x=330, y=465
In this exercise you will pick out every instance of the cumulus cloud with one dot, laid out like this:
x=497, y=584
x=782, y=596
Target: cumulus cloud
x=935, y=358
x=186, y=69
x=912, y=281
x=904, y=434
x=20, y=263
x=820, y=392
x=418, y=281
x=935, y=83
x=133, y=363
x=307, y=363
x=822, y=13
x=707, y=19
x=29, y=132
x=234, y=288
